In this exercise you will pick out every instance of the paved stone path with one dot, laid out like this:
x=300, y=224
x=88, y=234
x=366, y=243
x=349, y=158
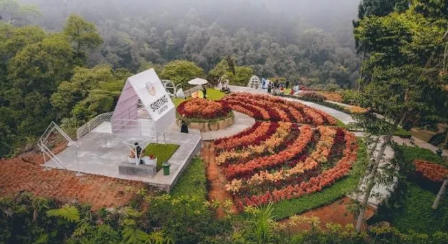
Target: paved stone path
x=242, y=122
x=381, y=190
x=343, y=117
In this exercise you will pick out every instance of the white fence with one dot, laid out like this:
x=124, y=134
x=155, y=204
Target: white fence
x=92, y=124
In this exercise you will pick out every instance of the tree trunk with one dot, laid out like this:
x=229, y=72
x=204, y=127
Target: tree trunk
x=445, y=144
x=440, y=194
x=403, y=118
x=371, y=177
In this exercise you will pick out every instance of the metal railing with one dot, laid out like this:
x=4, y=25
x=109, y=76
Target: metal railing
x=43, y=140
x=92, y=124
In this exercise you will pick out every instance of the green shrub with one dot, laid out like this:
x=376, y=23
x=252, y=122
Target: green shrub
x=350, y=97
x=313, y=96
x=193, y=181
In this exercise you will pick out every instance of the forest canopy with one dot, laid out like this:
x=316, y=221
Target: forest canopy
x=305, y=42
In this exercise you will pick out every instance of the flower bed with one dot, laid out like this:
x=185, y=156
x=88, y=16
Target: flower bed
x=205, y=115
x=203, y=109
x=282, y=156
x=269, y=108
x=287, y=164
x=431, y=171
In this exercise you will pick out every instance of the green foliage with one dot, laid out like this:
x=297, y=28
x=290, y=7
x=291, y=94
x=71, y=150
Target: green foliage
x=68, y=213
x=410, y=207
x=312, y=96
x=262, y=221
x=350, y=97
x=412, y=153
x=193, y=182
x=416, y=213
x=82, y=34
x=162, y=152
x=89, y=92
x=328, y=195
x=181, y=71
x=240, y=78
x=13, y=12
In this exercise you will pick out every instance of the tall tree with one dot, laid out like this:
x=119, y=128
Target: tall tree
x=12, y=12
x=82, y=34
x=405, y=50
x=181, y=71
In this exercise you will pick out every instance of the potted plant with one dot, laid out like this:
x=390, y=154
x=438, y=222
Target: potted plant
x=152, y=160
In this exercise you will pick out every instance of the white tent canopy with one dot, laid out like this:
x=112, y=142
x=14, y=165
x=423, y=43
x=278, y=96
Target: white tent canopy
x=198, y=82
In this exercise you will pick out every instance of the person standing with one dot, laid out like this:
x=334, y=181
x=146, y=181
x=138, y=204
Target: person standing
x=269, y=88
x=287, y=84
x=184, y=124
x=204, y=90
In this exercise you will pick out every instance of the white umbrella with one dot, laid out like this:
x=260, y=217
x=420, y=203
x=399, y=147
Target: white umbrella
x=198, y=82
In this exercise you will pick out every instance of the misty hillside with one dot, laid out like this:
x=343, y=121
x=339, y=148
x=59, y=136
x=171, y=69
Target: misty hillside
x=306, y=41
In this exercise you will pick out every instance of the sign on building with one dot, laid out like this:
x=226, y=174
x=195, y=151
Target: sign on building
x=148, y=88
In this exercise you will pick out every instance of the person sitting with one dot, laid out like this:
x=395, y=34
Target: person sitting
x=137, y=152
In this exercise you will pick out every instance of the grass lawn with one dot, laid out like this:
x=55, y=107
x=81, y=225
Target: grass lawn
x=193, y=181
x=416, y=212
x=212, y=94
x=330, y=194
x=414, y=209
x=162, y=152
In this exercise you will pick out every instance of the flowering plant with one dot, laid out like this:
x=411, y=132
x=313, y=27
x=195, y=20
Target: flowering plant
x=203, y=109
x=431, y=171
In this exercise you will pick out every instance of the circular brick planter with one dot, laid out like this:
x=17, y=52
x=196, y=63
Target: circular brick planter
x=210, y=126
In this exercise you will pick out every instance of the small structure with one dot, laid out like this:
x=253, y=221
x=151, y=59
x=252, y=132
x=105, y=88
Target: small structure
x=198, y=82
x=254, y=82
x=147, y=88
x=144, y=113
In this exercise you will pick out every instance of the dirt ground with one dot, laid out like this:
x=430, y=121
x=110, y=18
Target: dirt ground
x=335, y=213
x=25, y=173
x=216, y=179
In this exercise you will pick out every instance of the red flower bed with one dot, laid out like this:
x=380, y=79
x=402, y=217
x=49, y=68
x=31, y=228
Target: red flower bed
x=203, y=109
x=431, y=171
x=314, y=184
x=264, y=107
x=278, y=159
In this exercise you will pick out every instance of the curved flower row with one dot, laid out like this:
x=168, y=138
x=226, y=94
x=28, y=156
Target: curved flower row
x=315, y=184
x=319, y=155
x=203, y=109
x=264, y=129
x=268, y=145
x=278, y=110
x=264, y=107
x=431, y=171
x=306, y=133
x=247, y=131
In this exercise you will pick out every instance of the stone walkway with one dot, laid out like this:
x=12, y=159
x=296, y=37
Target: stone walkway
x=343, y=117
x=242, y=122
x=383, y=189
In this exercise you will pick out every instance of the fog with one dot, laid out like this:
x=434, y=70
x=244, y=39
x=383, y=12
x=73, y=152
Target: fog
x=330, y=15
x=286, y=38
